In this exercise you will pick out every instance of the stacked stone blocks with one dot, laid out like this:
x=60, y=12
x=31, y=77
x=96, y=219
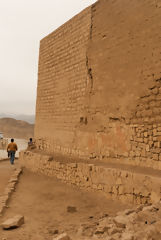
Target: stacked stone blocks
x=125, y=185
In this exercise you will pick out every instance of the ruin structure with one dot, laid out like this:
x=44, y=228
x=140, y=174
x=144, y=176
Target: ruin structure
x=99, y=84
x=99, y=95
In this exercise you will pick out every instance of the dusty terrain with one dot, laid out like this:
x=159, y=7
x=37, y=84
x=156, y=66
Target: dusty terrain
x=16, y=128
x=5, y=173
x=47, y=205
x=51, y=207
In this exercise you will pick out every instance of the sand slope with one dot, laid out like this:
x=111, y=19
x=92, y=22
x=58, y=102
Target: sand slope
x=16, y=128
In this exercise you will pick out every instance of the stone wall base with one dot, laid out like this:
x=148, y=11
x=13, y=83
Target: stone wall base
x=124, y=185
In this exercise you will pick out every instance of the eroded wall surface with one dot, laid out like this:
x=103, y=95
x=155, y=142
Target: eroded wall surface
x=99, y=88
x=62, y=80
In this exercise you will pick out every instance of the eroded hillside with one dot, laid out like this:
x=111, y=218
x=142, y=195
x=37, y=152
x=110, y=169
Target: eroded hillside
x=16, y=128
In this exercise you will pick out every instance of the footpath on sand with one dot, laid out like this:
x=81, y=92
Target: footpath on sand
x=6, y=171
x=9, y=175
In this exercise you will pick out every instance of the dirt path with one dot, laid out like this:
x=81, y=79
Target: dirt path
x=44, y=202
x=5, y=172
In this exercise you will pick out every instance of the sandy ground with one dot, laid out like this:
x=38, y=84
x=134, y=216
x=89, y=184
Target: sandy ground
x=5, y=172
x=44, y=201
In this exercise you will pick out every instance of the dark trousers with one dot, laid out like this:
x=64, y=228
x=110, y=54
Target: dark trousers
x=12, y=156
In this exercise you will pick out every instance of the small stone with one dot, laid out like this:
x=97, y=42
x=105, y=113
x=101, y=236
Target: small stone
x=86, y=230
x=151, y=208
x=56, y=231
x=126, y=212
x=101, y=230
x=120, y=221
x=155, y=91
x=114, y=230
x=105, y=215
x=140, y=208
x=14, y=222
x=63, y=236
x=129, y=211
x=53, y=232
x=71, y=209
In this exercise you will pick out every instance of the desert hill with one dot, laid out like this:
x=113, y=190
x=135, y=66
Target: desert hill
x=16, y=128
x=23, y=117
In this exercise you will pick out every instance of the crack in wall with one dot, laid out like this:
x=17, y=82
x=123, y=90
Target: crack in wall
x=91, y=26
x=90, y=75
x=89, y=69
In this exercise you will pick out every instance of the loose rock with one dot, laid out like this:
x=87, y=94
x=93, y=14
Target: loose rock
x=14, y=222
x=120, y=221
x=71, y=209
x=63, y=236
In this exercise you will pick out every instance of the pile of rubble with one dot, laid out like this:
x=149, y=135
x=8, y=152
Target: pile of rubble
x=141, y=223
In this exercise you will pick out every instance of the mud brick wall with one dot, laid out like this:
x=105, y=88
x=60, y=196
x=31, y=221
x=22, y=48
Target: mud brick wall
x=99, y=84
x=146, y=130
x=62, y=80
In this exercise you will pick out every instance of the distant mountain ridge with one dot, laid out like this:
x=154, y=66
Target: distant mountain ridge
x=13, y=128
x=23, y=117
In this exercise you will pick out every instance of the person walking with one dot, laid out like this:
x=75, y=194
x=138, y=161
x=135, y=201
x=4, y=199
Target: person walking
x=11, y=149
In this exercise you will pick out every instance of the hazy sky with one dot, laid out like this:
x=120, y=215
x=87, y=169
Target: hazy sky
x=22, y=24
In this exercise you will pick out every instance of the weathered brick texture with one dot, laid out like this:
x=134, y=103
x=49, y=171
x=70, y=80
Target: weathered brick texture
x=99, y=87
x=62, y=80
x=124, y=54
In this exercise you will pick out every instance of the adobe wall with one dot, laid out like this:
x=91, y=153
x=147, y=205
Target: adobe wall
x=62, y=81
x=99, y=87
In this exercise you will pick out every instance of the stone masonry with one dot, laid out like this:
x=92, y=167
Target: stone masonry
x=138, y=187
x=99, y=84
